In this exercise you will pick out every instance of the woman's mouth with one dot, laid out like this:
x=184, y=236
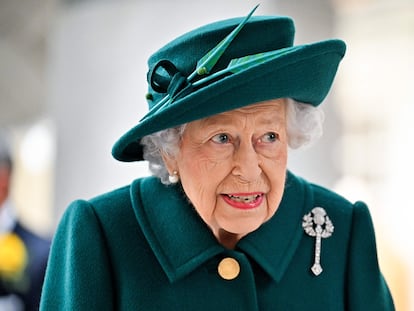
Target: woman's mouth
x=244, y=201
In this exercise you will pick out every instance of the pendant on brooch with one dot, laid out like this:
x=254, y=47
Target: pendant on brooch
x=317, y=224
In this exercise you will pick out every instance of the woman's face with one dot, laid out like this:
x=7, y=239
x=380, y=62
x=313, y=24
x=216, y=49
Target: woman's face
x=232, y=167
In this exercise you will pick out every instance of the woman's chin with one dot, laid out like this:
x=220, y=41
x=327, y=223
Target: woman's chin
x=242, y=228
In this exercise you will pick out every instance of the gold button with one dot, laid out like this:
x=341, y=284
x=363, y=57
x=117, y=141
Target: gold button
x=228, y=268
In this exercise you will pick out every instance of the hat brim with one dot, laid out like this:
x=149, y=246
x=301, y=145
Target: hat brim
x=305, y=74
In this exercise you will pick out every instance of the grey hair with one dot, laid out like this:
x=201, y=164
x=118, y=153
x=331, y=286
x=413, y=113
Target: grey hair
x=304, y=127
x=163, y=142
x=304, y=124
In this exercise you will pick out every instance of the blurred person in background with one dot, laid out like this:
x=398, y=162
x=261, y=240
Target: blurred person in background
x=23, y=254
x=222, y=224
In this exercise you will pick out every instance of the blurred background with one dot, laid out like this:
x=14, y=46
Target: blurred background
x=72, y=80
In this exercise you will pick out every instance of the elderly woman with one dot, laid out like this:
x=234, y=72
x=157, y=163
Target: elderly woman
x=223, y=225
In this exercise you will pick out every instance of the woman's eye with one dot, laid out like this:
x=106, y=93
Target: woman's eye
x=221, y=138
x=269, y=137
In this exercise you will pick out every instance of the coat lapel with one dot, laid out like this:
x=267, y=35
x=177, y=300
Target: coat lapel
x=180, y=240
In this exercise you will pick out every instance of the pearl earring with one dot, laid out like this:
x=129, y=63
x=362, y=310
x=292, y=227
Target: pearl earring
x=174, y=177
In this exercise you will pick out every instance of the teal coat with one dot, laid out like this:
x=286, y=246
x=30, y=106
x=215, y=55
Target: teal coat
x=143, y=247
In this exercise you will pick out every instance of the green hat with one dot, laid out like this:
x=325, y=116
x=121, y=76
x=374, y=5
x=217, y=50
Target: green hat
x=227, y=65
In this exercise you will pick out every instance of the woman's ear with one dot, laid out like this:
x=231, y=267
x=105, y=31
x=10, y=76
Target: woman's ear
x=170, y=162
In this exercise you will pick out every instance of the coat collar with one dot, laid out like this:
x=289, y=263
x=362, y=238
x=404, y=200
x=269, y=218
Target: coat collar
x=181, y=241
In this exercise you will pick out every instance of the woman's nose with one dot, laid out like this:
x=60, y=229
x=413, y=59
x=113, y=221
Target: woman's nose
x=246, y=163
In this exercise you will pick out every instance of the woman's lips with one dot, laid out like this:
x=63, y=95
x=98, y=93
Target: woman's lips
x=244, y=200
